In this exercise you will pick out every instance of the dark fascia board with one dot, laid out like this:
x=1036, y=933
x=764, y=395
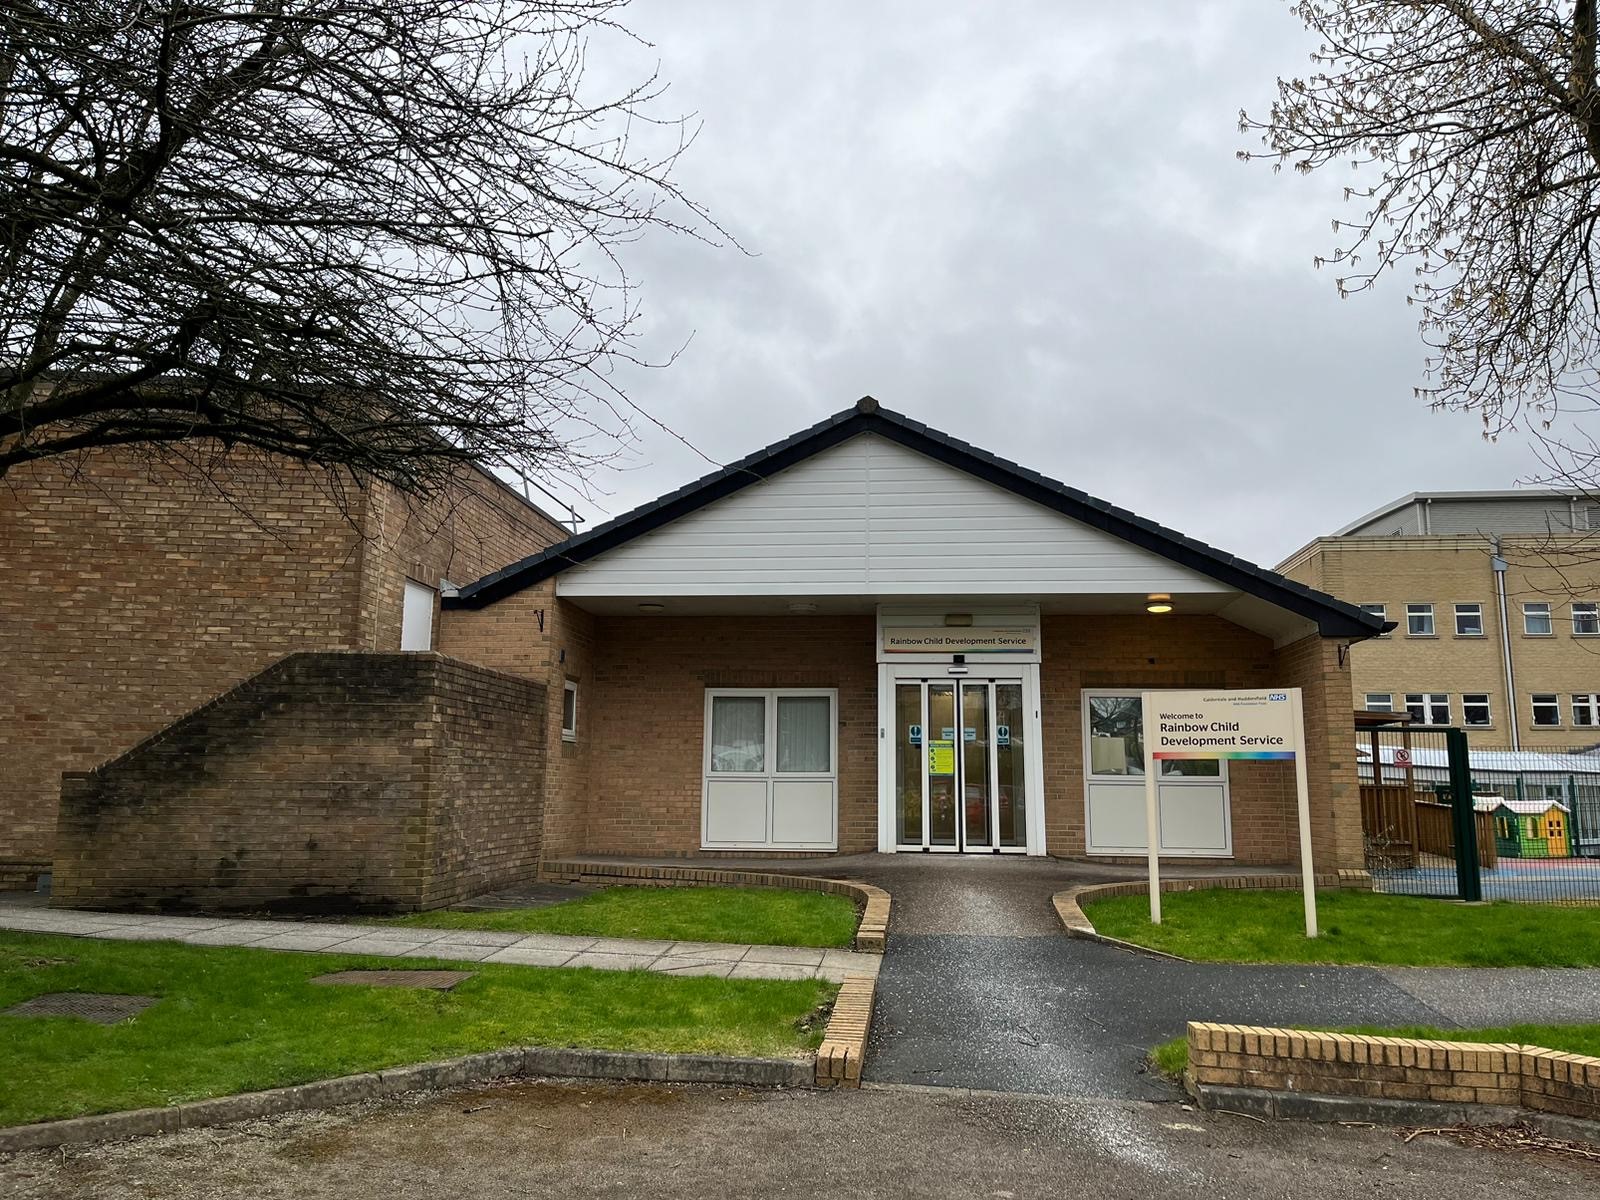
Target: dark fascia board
x=1334, y=618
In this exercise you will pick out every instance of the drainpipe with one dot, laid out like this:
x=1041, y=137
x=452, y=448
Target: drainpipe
x=1513, y=712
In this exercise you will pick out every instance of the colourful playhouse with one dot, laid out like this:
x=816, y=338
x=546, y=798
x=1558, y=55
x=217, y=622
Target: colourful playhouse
x=1527, y=828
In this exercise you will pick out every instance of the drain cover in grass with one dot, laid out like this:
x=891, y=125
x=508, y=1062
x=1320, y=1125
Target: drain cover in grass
x=441, y=981
x=101, y=1008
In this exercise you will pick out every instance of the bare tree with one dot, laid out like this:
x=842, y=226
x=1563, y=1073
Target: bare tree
x=1474, y=130
x=376, y=235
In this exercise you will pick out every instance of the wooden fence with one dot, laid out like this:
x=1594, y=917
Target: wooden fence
x=1400, y=825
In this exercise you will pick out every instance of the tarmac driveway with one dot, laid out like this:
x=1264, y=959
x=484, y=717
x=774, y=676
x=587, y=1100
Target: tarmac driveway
x=981, y=989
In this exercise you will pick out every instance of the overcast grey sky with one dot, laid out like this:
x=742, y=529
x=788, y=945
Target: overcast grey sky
x=1023, y=223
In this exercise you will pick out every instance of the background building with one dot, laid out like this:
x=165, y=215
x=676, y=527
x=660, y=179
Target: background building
x=1495, y=598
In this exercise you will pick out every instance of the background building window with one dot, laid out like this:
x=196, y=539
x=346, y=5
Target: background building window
x=1586, y=709
x=1585, y=618
x=1380, y=701
x=1546, y=709
x=416, y=617
x=1377, y=610
x=1536, y=620
x=1419, y=620
x=1475, y=708
x=1429, y=708
x=569, y=710
x=1469, y=620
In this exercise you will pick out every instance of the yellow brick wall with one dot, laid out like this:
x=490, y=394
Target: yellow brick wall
x=1445, y=571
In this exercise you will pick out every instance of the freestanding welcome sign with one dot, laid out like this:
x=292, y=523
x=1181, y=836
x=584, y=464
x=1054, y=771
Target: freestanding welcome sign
x=1253, y=726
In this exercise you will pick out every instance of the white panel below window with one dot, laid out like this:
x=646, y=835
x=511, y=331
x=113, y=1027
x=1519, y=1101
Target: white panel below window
x=802, y=812
x=736, y=812
x=1193, y=819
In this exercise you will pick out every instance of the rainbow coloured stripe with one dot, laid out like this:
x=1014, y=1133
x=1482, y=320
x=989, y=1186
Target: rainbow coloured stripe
x=1253, y=755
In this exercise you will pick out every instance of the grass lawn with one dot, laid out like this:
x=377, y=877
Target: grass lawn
x=235, y=1019
x=1357, y=927
x=759, y=916
x=1171, y=1058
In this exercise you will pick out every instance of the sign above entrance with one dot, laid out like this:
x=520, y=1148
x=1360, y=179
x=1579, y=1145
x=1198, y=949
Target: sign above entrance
x=971, y=640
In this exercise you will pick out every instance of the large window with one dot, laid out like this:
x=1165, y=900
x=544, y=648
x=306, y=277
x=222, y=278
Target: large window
x=1377, y=610
x=1586, y=709
x=1536, y=620
x=771, y=758
x=1469, y=620
x=1419, y=620
x=1429, y=708
x=1116, y=743
x=1475, y=708
x=1546, y=708
x=1585, y=618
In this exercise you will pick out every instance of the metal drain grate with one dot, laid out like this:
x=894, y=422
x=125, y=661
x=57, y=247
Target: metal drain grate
x=101, y=1008
x=441, y=981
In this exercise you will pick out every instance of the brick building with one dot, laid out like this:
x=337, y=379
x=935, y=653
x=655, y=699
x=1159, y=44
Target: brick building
x=1495, y=597
x=135, y=592
x=871, y=636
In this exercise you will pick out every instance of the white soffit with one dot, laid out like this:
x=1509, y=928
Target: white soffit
x=871, y=517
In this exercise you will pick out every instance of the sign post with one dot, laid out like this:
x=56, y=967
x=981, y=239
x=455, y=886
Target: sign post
x=1265, y=726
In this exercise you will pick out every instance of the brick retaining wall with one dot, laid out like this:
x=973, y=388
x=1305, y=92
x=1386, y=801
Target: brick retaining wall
x=329, y=782
x=1384, y=1068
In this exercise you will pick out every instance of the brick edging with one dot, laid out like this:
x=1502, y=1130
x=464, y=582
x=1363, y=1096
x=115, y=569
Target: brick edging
x=873, y=902
x=1231, y=1058
x=844, y=1046
x=1069, y=903
x=516, y=1062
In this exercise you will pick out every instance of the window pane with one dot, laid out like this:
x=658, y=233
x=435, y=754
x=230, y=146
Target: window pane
x=1546, y=710
x=1419, y=620
x=1585, y=618
x=569, y=708
x=1186, y=768
x=738, y=733
x=1116, y=735
x=805, y=733
x=1010, y=753
x=1469, y=620
x=1536, y=618
x=1380, y=702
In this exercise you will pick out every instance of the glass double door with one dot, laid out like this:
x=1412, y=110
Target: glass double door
x=960, y=765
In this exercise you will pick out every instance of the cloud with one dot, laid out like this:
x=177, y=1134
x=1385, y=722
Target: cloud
x=1024, y=224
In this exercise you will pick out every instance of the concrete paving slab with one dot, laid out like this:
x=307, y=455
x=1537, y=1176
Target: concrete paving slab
x=398, y=933
x=224, y=937
x=530, y=956
x=1488, y=997
x=850, y=961
x=630, y=946
x=554, y=941
x=460, y=951
x=384, y=947
x=138, y=933
x=678, y=966
x=764, y=970
x=614, y=962
x=297, y=940
x=482, y=937
x=706, y=951
x=798, y=956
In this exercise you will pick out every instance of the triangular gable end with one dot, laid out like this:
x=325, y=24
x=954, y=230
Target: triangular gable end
x=871, y=517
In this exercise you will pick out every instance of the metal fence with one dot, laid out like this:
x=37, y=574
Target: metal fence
x=1444, y=818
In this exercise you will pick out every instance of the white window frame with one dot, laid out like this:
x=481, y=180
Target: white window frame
x=1429, y=703
x=1381, y=611
x=770, y=775
x=1589, y=609
x=1531, y=609
x=1589, y=704
x=1538, y=700
x=1472, y=700
x=1388, y=702
x=1134, y=787
x=1475, y=611
x=1420, y=612
x=569, y=733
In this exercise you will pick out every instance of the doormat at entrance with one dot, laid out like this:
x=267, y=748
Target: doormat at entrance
x=101, y=1008
x=441, y=981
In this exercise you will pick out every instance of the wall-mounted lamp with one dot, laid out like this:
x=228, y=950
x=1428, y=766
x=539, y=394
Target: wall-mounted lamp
x=650, y=606
x=1158, y=602
x=958, y=618
x=802, y=608
x=958, y=664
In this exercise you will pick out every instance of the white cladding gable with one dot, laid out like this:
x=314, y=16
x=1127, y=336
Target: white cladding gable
x=870, y=517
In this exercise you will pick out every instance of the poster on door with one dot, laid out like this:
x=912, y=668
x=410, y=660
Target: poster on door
x=941, y=758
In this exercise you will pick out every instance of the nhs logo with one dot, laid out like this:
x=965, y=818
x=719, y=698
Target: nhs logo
x=1277, y=695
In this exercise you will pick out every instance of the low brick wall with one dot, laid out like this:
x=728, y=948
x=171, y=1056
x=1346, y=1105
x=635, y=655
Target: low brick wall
x=844, y=1045
x=330, y=782
x=873, y=902
x=1382, y=1068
